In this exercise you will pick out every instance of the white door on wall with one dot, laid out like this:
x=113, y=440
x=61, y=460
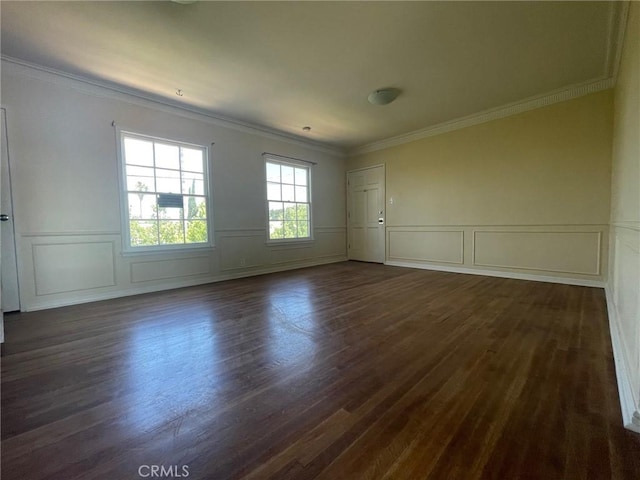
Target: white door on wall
x=10, y=298
x=366, y=214
x=4, y=148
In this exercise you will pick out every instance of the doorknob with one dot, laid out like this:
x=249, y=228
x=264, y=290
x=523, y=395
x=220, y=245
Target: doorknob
x=381, y=221
x=4, y=217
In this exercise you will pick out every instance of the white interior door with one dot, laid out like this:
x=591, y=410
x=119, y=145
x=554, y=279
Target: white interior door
x=9, y=293
x=5, y=150
x=366, y=214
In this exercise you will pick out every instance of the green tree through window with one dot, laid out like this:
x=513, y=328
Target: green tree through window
x=289, y=201
x=166, y=192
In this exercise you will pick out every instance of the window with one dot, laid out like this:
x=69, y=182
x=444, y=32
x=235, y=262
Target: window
x=289, y=201
x=165, y=193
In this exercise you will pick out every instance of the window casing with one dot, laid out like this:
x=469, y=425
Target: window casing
x=288, y=201
x=165, y=187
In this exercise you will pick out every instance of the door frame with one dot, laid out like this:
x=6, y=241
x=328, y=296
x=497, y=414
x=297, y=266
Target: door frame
x=384, y=202
x=9, y=182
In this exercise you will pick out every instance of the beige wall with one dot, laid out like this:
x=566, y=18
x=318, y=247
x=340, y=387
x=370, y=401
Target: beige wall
x=624, y=278
x=527, y=194
x=66, y=194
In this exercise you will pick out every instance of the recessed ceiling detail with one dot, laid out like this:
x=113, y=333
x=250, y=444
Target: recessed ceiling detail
x=251, y=61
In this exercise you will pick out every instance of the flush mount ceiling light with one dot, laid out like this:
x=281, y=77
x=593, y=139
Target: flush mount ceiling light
x=184, y=2
x=383, y=96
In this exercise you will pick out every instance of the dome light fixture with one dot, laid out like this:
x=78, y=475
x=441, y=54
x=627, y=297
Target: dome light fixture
x=383, y=96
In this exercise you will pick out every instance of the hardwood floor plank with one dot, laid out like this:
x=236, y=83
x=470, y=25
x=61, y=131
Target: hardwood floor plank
x=348, y=370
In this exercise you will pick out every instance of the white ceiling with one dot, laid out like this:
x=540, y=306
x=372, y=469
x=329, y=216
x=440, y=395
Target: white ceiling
x=285, y=65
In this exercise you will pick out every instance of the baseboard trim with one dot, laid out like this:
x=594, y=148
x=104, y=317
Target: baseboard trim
x=499, y=273
x=178, y=283
x=630, y=415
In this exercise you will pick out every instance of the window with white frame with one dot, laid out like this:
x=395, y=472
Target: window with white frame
x=288, y=200
x=165, y=193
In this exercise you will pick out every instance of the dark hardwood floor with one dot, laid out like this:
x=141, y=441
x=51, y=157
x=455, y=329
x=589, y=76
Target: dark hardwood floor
x=345, y=371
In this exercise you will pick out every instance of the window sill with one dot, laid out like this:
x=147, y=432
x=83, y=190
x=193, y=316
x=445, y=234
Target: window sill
x=275, y=243
x=167, y=251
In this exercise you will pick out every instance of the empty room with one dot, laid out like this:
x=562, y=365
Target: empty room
x=320, y=240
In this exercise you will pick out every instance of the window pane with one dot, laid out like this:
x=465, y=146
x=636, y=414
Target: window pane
x=273, y=191
x=290, y=229
x=167, y=181
x=289, y=211
x=303, y=229
x=273, y=172
x=288, y=197
x=138, y=152
x=192, y=159
x=196, y=231
x=170, y=213
x=287, y=174
x=165, y=191
x=301, y=194
x=133, y=170
x=275, y=230
x=275, y=211
x=142, y=206
x=303, y=212
x=143, y=233
x=193, y=183
x=167, y=156
x=288, y=194
x=301, y=176
x=195, y=207
x=171, y=232
x=140, y=179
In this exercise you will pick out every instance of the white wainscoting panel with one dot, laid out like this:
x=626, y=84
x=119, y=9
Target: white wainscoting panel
x=443, y=246
x=623, y=303
x=71, y=267
x=65, y=268
x=573, y=252
x=626, y=282
x=290, y=253
x=150, y=270
x=330, y=242
x=241, y=249
x=626, y=285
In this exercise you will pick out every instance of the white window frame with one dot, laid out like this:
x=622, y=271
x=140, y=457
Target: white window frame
x=296, y=164
x=127, y=248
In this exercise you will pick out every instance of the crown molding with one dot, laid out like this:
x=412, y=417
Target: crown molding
x=143, y=99
x=531, y=103
x=615, y=40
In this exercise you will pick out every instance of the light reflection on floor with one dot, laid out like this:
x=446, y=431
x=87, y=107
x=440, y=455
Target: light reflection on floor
x=292, y=325
x=175, y=369
x=172, y=371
